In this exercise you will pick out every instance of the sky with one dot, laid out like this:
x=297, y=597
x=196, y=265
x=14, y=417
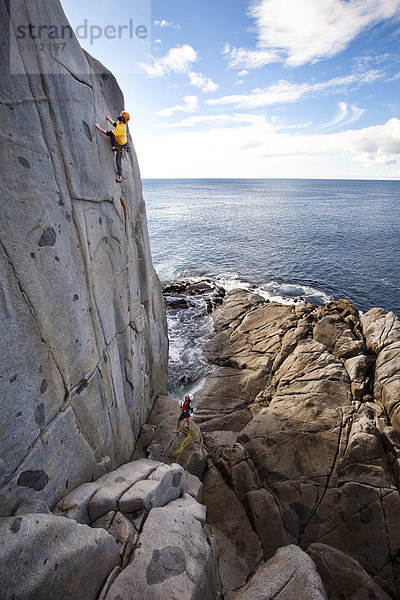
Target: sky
x=256, y=88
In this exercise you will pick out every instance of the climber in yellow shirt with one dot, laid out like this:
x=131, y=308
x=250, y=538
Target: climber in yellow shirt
x=119, y=141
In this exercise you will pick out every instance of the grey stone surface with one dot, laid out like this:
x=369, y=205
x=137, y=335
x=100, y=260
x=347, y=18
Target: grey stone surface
x=289, y=574
x=33, y=507
x=75, y=504
x=82, y=307
x=164, y=484
x=90, y=501
x=188, y=504
x=343, y=576
x=382, y=334
x=194, y=487
x=44, y=557
x=172, y=560
x=122, y=530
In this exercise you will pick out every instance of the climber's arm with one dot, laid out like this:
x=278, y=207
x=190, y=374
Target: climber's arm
x=101, y=129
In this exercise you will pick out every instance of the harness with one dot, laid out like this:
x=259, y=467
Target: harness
x=187, y=409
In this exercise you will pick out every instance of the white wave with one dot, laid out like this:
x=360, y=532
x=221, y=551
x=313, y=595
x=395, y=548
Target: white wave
x=285, y=293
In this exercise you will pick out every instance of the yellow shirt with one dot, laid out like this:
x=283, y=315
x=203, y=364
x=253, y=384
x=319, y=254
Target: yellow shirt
x=120, y=133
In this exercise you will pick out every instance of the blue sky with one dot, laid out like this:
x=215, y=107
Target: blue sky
x=257, y=88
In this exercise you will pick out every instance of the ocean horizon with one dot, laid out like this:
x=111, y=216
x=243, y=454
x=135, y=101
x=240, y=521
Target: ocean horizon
x=311, y=239
x=292, y=241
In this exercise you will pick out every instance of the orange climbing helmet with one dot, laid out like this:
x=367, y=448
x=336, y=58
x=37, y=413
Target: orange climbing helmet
x=126, y=116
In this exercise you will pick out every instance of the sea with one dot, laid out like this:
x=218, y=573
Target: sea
x=290, y=240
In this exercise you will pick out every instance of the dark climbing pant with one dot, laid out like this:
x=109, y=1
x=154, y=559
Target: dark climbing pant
x=118, y=154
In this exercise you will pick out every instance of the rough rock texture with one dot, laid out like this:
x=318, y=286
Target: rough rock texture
x=158, y=442
x=289, y=574
x=343, y=576
x=136, y=486
x=382, y=334
x=174, y=559
x=83, y=330
x=44, y=557
x=159, y=530
x=300, y=422
x=146, y=540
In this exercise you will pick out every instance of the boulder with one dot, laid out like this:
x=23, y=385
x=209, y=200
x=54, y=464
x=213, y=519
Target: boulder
x=223, y=401
x=343, y=576
x=268, y=522
x=133, y=487
x=45, y=556
x=194, y=487
x=122, y=530
x=382, y=335
x=358, y=369
x=33, y=507
x=162, y=486
x=338, y=337
x=75, y=504
x=289, y=574
x=380, y=329
x=226, y=512
x=172, y=560
x=113, y=486
x=232, y=569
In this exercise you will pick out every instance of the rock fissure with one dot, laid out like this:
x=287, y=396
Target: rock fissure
x=70, y=72
x=35, y=317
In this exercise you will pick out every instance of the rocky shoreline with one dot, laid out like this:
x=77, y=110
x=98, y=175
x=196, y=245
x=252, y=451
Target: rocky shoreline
x=289, y=486
x=299, y=426
x=286, y=485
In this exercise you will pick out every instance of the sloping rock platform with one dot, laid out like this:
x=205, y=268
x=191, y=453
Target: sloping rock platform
x=300, y=419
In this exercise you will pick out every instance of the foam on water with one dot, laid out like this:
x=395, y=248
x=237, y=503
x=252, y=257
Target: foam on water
x=291, y=241
x=189, y=328
x=285, y=293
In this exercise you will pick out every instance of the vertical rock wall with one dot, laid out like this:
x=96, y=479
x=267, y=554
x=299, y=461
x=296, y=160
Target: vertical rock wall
x=82, y=320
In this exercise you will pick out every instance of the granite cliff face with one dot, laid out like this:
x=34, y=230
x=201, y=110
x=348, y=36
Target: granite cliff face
x=83, y=329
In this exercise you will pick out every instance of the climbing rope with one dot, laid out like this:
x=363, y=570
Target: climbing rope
x=179, y=448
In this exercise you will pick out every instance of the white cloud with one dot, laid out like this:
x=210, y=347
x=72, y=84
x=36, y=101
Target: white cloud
x=256, y=149
x=165, y=23
x=285, y=91
x=158, y=41
x=221, y=120
x=243, y=73
x=346, y=114
x=177, y=60
x=190, y=105
x=204, y=83
x=303, y=31
x=251, y=59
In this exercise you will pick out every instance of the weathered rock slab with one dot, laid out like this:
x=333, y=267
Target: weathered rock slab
x=45, y=556
x=173, y=559
x=289, y=574
x=343, y=576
